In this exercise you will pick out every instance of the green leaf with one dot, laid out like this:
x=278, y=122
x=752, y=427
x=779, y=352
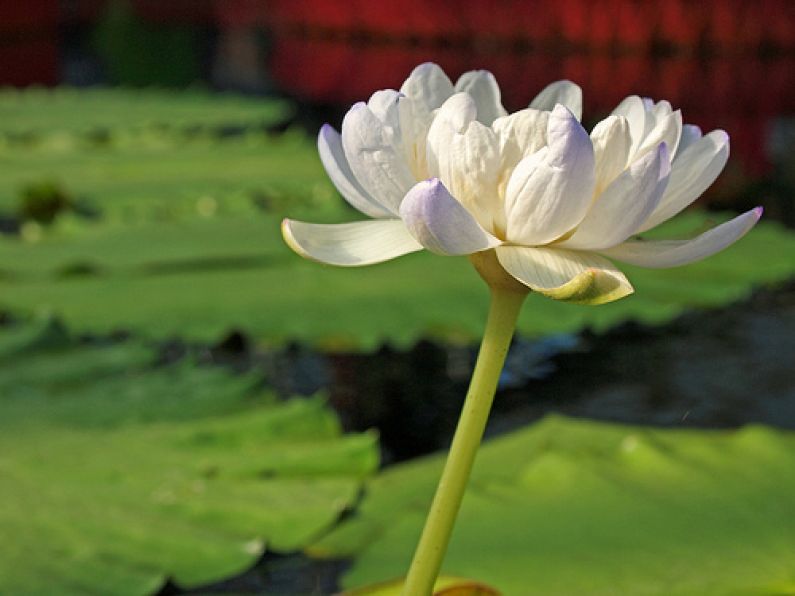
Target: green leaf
x=143, y=179
x=188, y=222
x=101, y=115
x=117, y=473
x=578, y=507
x=242, y=263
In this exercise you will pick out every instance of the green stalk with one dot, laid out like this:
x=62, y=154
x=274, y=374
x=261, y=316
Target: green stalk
x=503, y=312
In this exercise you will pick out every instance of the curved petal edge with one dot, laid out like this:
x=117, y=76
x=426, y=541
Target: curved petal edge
x=560, y=92
x=569, y=276
x=440, y=223
x=329, y=146
x=661, y=254
x=350, y=244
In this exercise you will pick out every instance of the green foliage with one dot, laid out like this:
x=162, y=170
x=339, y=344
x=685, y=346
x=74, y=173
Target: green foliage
x=43, y=201
x=168, y=179
x=578, y=507
x=60, y=119
x=187, y=241
x=118, y=472
x=200, y=277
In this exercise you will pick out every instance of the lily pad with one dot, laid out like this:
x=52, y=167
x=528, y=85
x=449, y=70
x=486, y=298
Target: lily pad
x=241, y=263
x=37, y=114
x=177, y=211
x=118, y=474
x=170, y=179
x=577, y=507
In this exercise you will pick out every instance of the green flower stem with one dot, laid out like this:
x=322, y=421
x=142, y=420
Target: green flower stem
x=503, y=312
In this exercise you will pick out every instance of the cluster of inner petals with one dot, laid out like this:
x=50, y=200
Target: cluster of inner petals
x=444, y=167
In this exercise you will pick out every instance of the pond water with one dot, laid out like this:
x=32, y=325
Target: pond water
x=710, y=369
x=719, y=368
x=716, y=369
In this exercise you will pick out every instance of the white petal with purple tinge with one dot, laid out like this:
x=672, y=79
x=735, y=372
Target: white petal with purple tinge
x=440, y=223
x=560, y=92
x=625, y=204
x=690, y=134
x=692, y=172
x=661, y=254
x=547, y=196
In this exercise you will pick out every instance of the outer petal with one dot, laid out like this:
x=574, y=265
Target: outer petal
x=626, y=203
x=634, y=110
x=661, y=109
x=464, y=155
x=520, y=134
x=483, y=87
x=584, y=278
x=350, y=244
x=414, y=124
x=692, y=172
x=690, y=134
x=667, y=129
x=548, y=195
x=660, y=254
x=428, y=85
x=560, y=92
x=376, y=156
x=440, y=223
x=453, y=117
x=611, y=142
x=329, y=146
x=384, y=104
x=425, y=90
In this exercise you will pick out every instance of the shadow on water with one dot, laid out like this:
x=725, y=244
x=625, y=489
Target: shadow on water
x=274, y=575
x=708, y=368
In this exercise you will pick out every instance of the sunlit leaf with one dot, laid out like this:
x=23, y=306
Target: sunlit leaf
x=578, y=507
x=36, y=115
x=180, y=273
x=116, y=474
x=176, y=210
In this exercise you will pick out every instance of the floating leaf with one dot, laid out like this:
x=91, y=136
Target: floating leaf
x=117, y=474
x=168, y=180
x=242, y=263
x=99, y=113
x=578, y=507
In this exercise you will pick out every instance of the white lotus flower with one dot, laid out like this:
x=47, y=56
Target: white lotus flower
x=444, y=167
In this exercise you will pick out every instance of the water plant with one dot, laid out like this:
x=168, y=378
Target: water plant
x=532, y=199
